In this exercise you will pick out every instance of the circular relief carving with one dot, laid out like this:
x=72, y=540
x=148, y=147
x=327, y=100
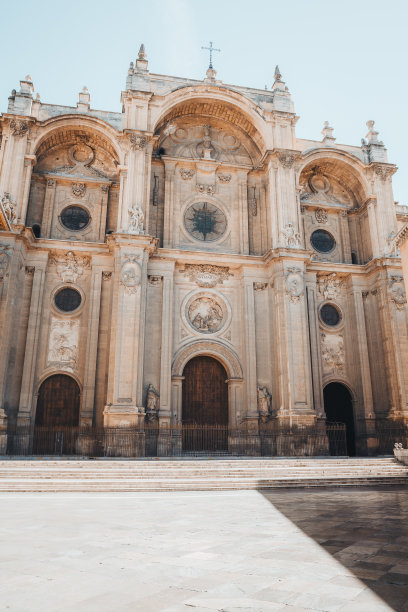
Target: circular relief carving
x=204, y=221
x=330, y=315
x=67, y=299
x=74, y=218
x=318, y=182
x=81, y=154
x=322, y=241
x=206, y=314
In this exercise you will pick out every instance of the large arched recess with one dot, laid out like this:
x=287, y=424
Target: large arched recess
x=338, y=406
x=58, y=402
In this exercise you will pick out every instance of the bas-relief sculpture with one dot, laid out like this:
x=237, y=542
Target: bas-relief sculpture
x=219, y=198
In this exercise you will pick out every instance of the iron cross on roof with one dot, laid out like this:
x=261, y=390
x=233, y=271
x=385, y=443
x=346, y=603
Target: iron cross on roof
x=211, y=49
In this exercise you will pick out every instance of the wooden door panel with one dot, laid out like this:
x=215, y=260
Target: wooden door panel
x=58, y=402
x=205, y=392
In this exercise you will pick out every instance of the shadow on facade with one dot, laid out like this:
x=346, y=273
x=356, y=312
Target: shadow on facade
x=366, y=530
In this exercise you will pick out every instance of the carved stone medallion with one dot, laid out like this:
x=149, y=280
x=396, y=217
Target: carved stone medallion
x=321, y=215
x=186, y=173
x=78, y=189
x=207, y=275
x=131, y=275
x=398, y=296
x=294, y=285
x=137, y=143
x=206, y=314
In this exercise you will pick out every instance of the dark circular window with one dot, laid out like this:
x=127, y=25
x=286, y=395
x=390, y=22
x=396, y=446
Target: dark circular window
x=329, y=314
x=322, y=241
x=68, y=299
x=74, y=218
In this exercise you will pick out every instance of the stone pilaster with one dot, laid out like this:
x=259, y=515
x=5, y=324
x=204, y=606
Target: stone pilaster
x=168, y=229
x=250, y=347
x=243, y=212
x=364, y=374
x=166, y=408
x=29, y=163
x=315, y=348
x=48, y=209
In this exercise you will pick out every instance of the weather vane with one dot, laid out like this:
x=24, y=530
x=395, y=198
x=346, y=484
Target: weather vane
x=211, y=49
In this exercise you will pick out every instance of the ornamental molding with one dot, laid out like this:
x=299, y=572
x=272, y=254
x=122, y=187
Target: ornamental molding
x=402, y=236
x=294, y=285
x=224, y=178
x=397, y=290
x=78, y=190
x=321, y=215
x=208, y=189
x=212, y=348
x=207, y=275
x=384, y=172
x=187, y=173
x=19, y=127
x=137, y=143
x=69, y=265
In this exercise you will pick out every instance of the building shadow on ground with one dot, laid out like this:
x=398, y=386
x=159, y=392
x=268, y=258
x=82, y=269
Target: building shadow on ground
x=366, y=530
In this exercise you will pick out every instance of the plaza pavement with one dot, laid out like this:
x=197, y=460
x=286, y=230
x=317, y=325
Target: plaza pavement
x=293, y=550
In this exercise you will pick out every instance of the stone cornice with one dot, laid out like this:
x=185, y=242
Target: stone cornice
x=402, y=236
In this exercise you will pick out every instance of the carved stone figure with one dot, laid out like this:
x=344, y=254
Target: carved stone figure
x=332, y=352
x=264, y=403
x=329, y=285
x=78, y=189
x=152, y=404
x=207, y=275
x=205, y=315
x=136, y=218
x=63, y=344
x=398, y=297
x=290, y=236
x=8, y=206
x=294, y=284
x=131, y=275
x=69, y=266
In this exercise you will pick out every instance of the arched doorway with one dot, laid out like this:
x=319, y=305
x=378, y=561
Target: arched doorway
x=205, y=405
x=338, y=407
x=58, y=402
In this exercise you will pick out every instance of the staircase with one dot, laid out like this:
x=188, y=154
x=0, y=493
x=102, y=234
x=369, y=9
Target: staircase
x=119, y=475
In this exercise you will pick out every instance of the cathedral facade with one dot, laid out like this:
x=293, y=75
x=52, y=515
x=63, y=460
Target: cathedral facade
x=190, y=260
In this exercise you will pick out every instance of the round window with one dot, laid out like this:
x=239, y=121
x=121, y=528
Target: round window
x=74, y=218
x=322, y=241
x=329, y=315
x=68, y=299
x=204, y=221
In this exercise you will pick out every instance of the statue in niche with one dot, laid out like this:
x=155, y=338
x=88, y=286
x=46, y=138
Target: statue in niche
x=152, y=404
x=264, y=403
x=136, y=218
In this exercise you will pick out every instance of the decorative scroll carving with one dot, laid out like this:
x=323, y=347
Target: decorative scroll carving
x=29, y=270
x=332, y=352
x=137, y=143
x=321, y=215
x=206, y=315
x=70, y=266
x=152, y=404
x=290, y=237
x=264, y=403
x=8, y=207
x=186, y=173
x=224, y=178
x=106, y=276
x=104, y=188
x=398, y=297
x=131, y=274
x=260, y=286
x=208, y=189
x=286, y=159
x=207, y=275
x=294, y=285
x=329, y=285
x=136, y=218
x=78, y=189
x=63, y=344
x=19, y=127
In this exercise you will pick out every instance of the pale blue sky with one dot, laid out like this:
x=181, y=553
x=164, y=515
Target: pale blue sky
x=345, y=61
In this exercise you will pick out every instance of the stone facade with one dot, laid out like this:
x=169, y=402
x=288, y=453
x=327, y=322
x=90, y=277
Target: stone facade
x=196, y=223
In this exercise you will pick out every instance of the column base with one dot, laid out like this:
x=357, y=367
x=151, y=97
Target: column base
x=117, y=415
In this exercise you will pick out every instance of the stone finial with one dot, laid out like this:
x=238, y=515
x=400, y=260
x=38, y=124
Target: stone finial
x=327, y=131
x=278, y=84
x=278, y=76
x=26, y=86
x=142, y=52
x=84, y=99
x=374, y=150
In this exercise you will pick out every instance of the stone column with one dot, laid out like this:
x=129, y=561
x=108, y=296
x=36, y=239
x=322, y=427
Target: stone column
x=316, y=358
x=125, y=384
x=243, y=212
x=25, y=411
x=29, y=163
x=385, y=208
x=345, y=236
x=364, y=373
x=15, y=147
x=168, y=229
x=88, y=394
x=48, y=209
x=166, y=346
x=104, y=205
x=372, y=222
x=251, y=416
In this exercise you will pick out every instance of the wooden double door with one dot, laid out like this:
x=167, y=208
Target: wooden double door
x=205, y=405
